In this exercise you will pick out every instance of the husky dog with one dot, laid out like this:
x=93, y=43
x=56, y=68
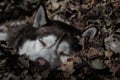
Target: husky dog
x=47, y=40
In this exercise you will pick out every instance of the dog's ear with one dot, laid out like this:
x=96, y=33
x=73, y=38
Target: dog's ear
x=40, y=18
x=90, y=33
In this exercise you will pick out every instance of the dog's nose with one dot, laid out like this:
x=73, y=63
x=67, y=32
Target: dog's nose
x=42, y=62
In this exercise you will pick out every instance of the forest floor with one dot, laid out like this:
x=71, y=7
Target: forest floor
x=94, y=62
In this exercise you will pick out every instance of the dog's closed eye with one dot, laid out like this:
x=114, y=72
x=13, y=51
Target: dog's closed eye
x=43, y=43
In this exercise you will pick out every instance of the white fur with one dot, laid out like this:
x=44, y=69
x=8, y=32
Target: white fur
x=34, y=49
x=49, y=40
x=64, y=47
x=64, y=58
x=31, y=48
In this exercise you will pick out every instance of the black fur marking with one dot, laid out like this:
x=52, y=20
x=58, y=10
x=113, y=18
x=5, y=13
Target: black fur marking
x=21, y=33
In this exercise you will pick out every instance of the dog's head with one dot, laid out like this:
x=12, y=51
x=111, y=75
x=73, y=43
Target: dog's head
x=47, y=41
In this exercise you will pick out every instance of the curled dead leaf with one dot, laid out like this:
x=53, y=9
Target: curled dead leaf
x=94, y=52
x=67, y=67
x=108, y=54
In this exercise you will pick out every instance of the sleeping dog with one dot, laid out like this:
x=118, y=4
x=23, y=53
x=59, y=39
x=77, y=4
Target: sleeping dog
x=47, y=41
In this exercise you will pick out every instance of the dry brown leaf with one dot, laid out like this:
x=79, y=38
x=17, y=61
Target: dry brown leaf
x=108, y=54
x=68, y=67
x=93, y=52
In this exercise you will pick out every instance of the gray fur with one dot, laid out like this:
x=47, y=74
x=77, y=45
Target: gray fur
x=40, y=18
